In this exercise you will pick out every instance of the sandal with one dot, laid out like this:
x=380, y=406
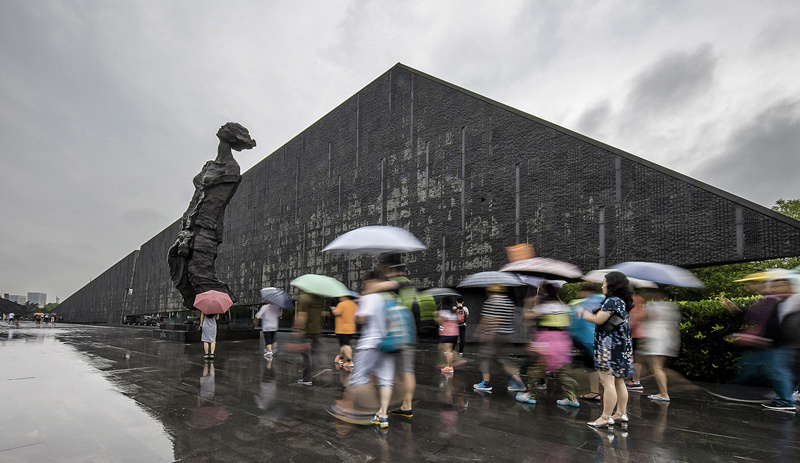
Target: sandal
x=595, y=424
x=592, y=396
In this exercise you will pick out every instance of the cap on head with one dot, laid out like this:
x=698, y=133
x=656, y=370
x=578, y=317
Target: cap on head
x=496, y=289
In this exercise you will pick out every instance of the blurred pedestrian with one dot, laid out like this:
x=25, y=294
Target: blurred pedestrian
x=582, y=332
x=638, y=336
x=761, y=336
x=268, y=314
x=448, y=334
x=392, y=268
x=208, y=329
x=613, y=350
x=370, y=359
x=789, y=318
x=552, y=345
x=345, y=328
x=495, y=327
x=463, y=314
x=307, y=326
x=663, y=339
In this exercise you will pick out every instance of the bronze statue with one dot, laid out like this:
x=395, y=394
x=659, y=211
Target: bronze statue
x=191, y=259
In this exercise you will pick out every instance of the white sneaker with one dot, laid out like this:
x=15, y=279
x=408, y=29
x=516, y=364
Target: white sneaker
x=796, y=396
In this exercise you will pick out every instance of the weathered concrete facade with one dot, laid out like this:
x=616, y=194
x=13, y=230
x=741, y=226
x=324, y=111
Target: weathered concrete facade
x=466, y=175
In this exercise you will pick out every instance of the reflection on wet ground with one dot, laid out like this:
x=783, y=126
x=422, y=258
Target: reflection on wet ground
x=86, y=393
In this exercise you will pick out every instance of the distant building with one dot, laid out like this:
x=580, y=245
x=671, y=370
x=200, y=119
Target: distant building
x=39, y=299
x=17, y=299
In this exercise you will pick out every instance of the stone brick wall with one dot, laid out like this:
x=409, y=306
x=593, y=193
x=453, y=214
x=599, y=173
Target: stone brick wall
x=468, y=176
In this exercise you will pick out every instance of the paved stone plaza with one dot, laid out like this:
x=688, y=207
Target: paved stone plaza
x=75, y=393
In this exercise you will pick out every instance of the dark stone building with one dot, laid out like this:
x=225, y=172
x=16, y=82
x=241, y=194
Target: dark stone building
x=468, y=176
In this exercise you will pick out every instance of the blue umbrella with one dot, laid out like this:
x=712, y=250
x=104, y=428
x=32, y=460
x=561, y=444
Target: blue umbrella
x=659, y=273
x=483, y=279
x=277, y=297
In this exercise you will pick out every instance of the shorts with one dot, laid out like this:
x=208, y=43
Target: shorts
x=448, y=339
x=344, y=339
x=405, y=361
x=269, y=337
x=376, y=361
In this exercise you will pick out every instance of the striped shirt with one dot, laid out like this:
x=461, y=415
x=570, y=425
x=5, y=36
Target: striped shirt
x=501, y=310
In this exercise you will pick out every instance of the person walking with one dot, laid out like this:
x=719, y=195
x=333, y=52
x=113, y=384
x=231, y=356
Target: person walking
x=208, y=327
x=345, y=328
x=268, y=314
x=370, y=359
x=613, y=350
x=495, y=327
x=551, y=346
x=582, y=332
x=448, y=334
x=761, y=338
x=308, y=326
x=638, y=336
x=392, y=268
x=662, y=339
x=463, y=314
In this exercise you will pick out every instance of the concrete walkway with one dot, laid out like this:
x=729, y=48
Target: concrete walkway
x=75, y=393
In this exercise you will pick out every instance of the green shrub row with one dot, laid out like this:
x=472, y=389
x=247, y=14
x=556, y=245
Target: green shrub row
x=706, y=354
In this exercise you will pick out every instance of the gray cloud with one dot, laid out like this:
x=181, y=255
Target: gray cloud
x=670, y=83
x=595, y=119
x=763, y=153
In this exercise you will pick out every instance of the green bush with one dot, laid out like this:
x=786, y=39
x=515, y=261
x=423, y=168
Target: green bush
x=706, y=354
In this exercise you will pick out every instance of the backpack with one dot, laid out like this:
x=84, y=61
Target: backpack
x=399, y=326
x=462, y=316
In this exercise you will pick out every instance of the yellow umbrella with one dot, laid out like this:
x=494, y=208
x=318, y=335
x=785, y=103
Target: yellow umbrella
x=767, y=275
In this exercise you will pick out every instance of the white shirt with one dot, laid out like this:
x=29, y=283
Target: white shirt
x=371, y=307
x=269, y=317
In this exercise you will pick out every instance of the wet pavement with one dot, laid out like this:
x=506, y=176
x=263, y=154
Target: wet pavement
x=75, y=393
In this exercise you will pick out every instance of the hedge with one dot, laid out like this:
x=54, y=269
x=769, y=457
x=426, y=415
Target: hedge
x=706, y=354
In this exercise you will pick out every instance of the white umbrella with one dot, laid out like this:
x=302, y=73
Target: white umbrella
x=375, y=239
x=596, y=276
x=659, y=273
x=483, y=279
x=544, y=267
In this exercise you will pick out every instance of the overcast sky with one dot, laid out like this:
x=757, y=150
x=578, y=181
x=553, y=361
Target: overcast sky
x=109, y=108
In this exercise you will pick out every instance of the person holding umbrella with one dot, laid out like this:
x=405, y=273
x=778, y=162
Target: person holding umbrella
x=496, y=327
x=208, y=328
x=268, y=314
x=613, y=348
x=308, y=325
x=345, y=328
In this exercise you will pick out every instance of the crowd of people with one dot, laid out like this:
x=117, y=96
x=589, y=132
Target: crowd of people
x=618, y=334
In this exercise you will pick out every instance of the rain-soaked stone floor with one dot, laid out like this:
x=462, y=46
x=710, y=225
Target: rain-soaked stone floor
x=75, y=393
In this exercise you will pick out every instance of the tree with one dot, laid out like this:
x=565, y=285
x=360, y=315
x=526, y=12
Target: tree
x=50, y=307
x=788, y=207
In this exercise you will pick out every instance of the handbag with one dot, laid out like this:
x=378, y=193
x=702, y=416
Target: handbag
x=613, y=322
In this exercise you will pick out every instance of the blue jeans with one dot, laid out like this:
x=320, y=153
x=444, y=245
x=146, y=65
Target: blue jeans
x=774, y=364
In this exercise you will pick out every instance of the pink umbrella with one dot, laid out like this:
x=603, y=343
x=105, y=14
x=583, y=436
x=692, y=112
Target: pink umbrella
x=213, y=302
x=210, y=416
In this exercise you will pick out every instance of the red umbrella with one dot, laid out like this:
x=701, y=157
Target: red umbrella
x=213, y=302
